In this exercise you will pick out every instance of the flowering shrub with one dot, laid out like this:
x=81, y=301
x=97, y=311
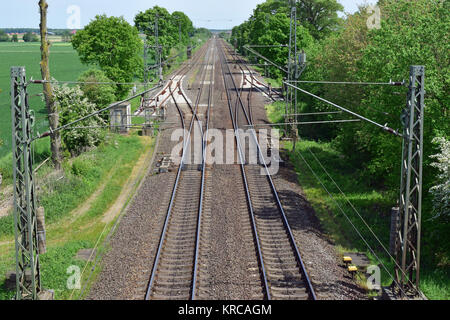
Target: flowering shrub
x=73, y=105
x=441, y=192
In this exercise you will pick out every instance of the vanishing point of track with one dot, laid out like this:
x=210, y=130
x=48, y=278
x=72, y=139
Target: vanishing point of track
x=176, y=266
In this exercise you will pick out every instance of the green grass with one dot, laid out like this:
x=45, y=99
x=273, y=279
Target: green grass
x=373, y=205
x=108, y=166
x=64, y=65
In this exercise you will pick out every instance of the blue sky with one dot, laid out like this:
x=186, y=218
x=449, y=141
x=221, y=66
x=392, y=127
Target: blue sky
x=214, y=14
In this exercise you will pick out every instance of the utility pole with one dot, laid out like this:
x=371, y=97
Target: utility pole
x=146, y=74
x=290, y=101
x=158, y=48
x=179, y=28
x=408, y=224
x=28, y=279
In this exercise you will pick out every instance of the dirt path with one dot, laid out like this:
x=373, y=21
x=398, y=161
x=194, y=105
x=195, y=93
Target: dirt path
x=135, y=177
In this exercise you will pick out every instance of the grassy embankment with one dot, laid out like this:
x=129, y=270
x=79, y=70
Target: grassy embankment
x=80, y=208
x=318, y=163
x=76, y=205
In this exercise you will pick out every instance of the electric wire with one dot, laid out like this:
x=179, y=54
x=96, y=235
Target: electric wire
x=357, y=212
x=390, y=83
x=351, y=223
x=384, y=127
x=301, y=123
x=95, y=113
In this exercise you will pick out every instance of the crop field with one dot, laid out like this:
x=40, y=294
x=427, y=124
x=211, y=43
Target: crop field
x=64, y=65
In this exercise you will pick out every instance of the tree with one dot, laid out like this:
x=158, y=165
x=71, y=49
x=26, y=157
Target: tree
x=3, y=36
x=30, y=37
x=390, y=52
x=319, y=16
x=102, y=94
x=15, y=38
x=270, y=25
x=66, y=36
x=184, y=25
x=73, y=105
x=53, y=117
x=167, y=29
x=114, y=45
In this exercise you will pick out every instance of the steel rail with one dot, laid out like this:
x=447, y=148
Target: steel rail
x=244, y=177
x=166, y=221
x=280, y=206
x=240, y=64
x=186, y=144
x=204, y=147
x=186, y=64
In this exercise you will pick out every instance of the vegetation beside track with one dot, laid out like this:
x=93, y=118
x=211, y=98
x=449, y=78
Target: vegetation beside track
x=347, y=49
x=373, y=204
x=75, y=207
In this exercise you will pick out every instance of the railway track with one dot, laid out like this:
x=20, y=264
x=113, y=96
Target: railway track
x=175, y=268
x=283, y=274
x=248, y=76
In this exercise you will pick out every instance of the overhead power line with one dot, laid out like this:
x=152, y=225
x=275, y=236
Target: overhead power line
x=85, y=82
x=384, y=127
x=349, y=220
x=46, y=134
x=390, y=83
x=302, y=123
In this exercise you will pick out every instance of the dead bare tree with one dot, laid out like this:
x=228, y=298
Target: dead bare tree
x=53, y=117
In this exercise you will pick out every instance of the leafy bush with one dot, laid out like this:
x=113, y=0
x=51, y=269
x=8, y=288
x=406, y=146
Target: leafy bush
x=100, y=94
x=30, y=37
x=3, y=36
x=73, y=105
x=80, y=167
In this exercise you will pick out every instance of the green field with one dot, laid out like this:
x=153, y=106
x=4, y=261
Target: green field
x=64, y=65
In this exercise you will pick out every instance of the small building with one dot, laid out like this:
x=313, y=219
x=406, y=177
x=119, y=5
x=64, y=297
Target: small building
x=120, y=117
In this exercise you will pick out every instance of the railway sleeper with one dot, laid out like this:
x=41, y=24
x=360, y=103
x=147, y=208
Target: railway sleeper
x=171, y=295
x=172, y=265
x=183, y=221
x=180, y=276
x=285, y=278
x=270, y=237
x=176, y=256
x=270, y=229
x=290, y=296
x=278, y=253
x=276, y=271
x=172, y=285
x=170, y=268
x=179, y=251
x=278, y=262
x=178, y=237
x=181, y=227
x=273, y=246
